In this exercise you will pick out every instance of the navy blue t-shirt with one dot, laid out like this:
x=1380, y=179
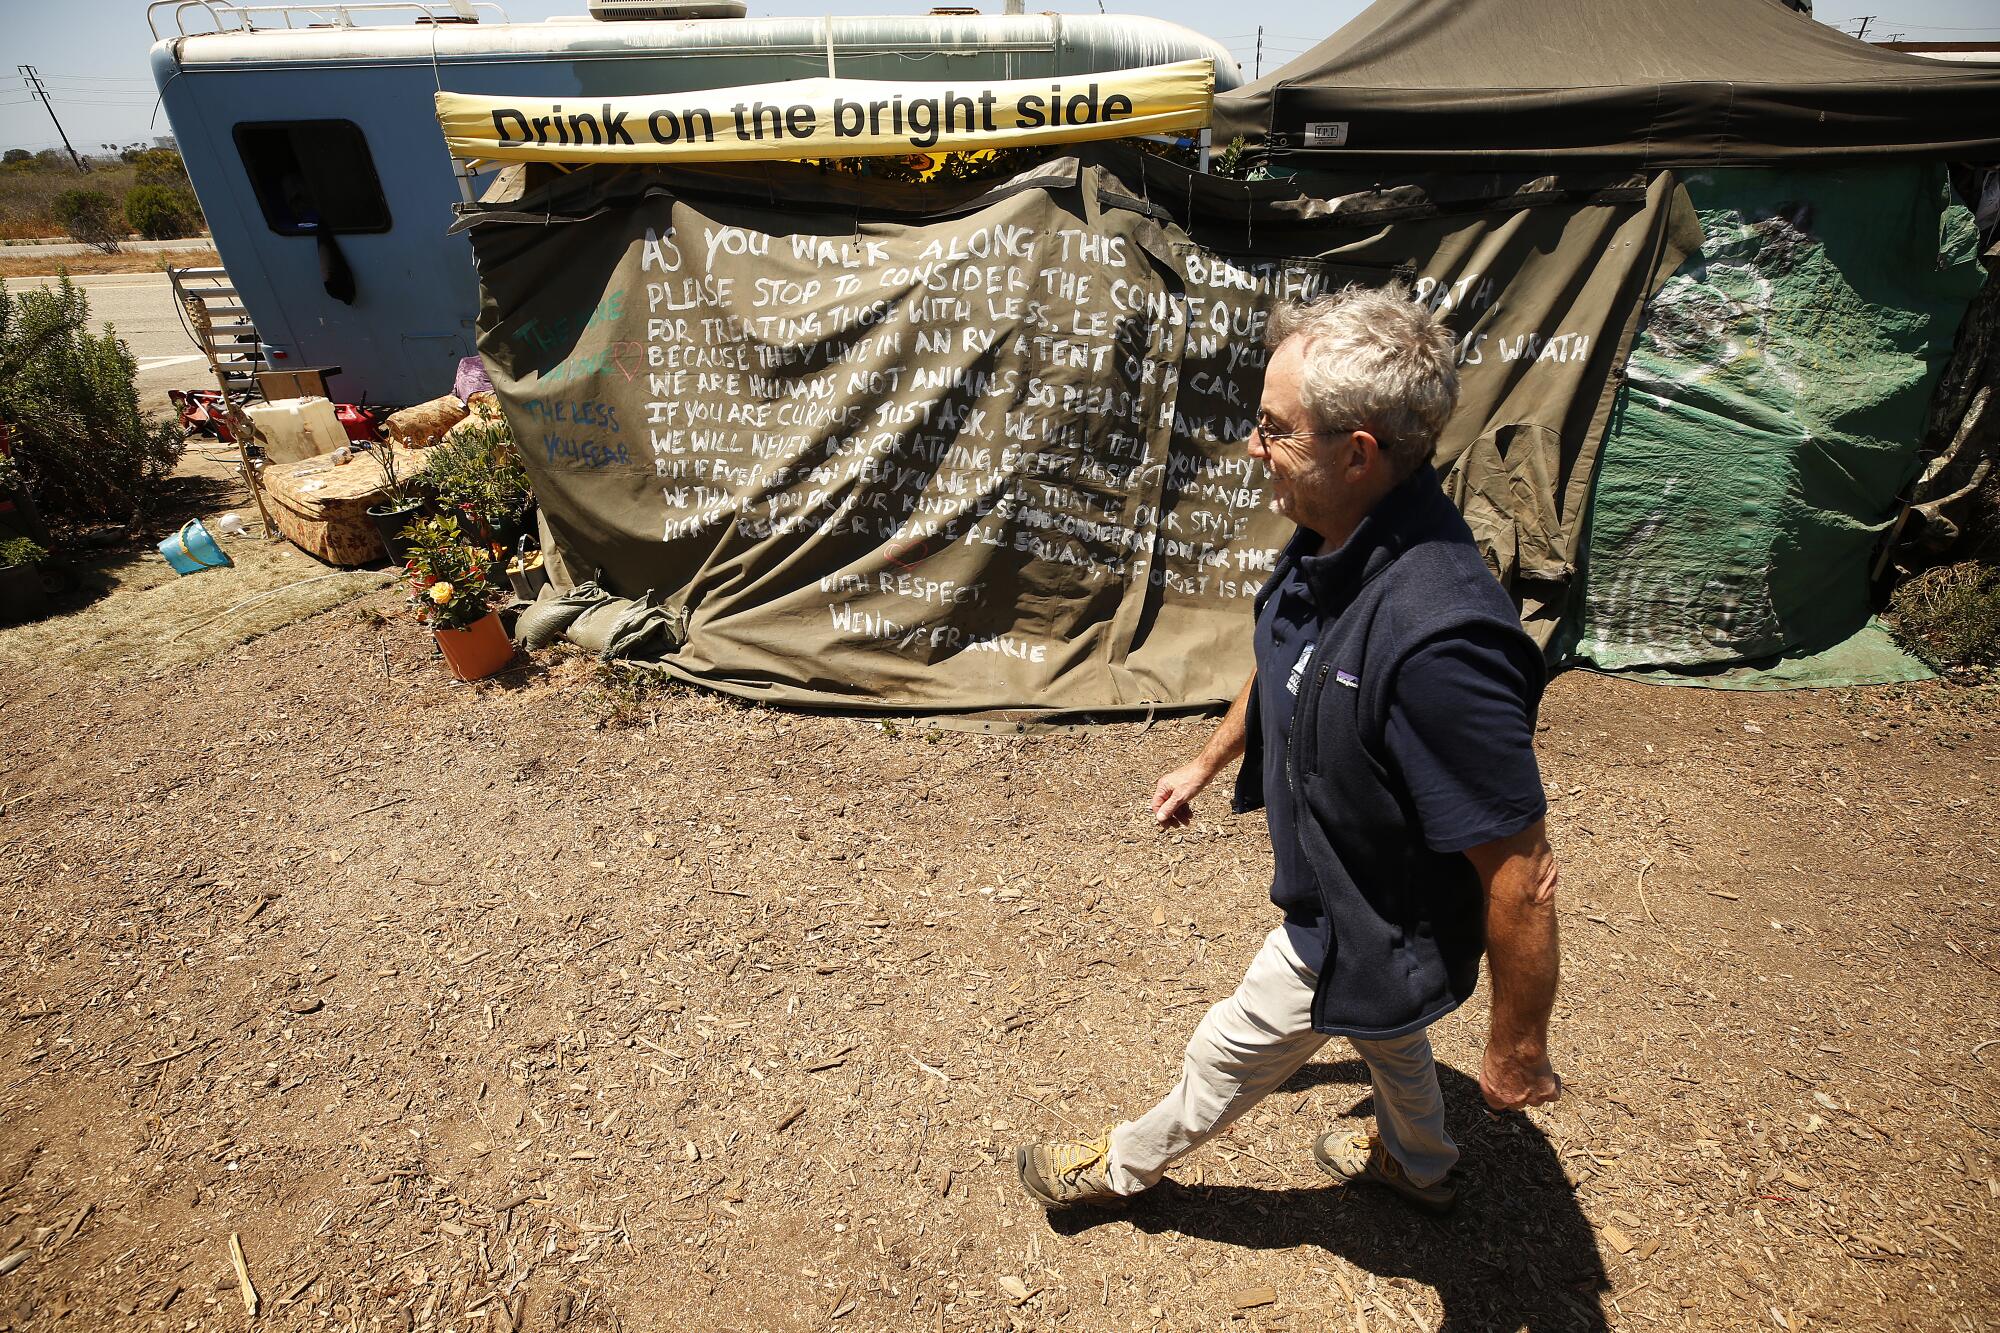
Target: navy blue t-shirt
x=1460, y=738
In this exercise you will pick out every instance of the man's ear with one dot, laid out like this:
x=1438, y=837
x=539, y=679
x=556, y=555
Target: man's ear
x=1367, y=450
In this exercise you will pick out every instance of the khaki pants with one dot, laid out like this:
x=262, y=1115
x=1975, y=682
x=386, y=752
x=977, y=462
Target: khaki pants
x=1255, y=1040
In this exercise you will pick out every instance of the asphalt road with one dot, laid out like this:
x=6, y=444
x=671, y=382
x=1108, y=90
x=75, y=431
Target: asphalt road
x=140, y=306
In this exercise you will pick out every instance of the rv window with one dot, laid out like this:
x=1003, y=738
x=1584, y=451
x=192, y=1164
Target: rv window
x=313, y=176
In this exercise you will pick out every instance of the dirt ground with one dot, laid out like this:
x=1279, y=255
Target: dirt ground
x=552, y=1003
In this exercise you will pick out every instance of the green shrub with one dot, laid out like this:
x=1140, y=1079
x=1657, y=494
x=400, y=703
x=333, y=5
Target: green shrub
x=161, y=212
x=162, y=166
x=21, y=551
x=88, y=216
x=85, y=452
x=477, y=473
x=1950, y=615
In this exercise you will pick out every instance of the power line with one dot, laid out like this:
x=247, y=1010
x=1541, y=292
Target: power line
x=137, y=85
x=95, y=91
x=34, y=81
x=84, y=97
x=100, y=78
x=1938, y=27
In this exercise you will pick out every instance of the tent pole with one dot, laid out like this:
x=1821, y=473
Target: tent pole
x=1203, y=165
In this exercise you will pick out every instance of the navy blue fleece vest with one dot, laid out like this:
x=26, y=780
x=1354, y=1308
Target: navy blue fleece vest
x=1407, y=923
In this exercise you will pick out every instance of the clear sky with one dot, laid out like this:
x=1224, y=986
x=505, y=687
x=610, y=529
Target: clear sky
x=92, y=53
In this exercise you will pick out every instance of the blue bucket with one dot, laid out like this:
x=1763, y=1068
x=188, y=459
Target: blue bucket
x=192, y=550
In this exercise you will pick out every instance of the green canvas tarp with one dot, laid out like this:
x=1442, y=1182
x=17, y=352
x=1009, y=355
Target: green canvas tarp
x=959, y=448
x=1491, y=85
x=1772, y=413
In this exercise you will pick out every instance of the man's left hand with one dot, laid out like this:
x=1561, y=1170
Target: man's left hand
x=1512, y=1080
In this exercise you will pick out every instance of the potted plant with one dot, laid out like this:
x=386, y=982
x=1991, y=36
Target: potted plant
x=476, y=473
x=22, y=596
x=450, y=577
x=397, y=508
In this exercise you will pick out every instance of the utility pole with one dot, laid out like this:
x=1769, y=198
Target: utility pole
x=1861, y=35
x=35, y=82
x=1260, y=53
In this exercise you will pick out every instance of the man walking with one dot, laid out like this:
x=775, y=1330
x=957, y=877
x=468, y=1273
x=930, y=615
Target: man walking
x=1388, y=730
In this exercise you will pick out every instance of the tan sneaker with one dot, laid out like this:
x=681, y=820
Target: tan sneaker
x=1350, y=1157
x=1063, y=1175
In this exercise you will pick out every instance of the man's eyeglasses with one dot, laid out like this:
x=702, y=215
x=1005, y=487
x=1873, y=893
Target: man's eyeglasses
x=1264, y=424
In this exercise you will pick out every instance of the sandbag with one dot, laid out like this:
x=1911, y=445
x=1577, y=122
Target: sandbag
x=542, y=624
x=638, y=630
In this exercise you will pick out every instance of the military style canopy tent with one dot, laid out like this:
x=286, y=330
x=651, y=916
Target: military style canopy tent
x=1485, y=85
x=1774, y=402
x=969, y=447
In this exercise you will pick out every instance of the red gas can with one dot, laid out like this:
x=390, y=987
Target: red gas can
x=360, y=423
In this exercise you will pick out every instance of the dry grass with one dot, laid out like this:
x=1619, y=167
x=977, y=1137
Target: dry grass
x=125, y=261
x=1951, y=614
x=28, y=191
x=152, y=620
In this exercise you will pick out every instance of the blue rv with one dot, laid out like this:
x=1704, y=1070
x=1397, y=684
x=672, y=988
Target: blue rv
x=313, y=142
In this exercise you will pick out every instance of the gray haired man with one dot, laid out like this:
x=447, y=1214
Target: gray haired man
x=1388, y=731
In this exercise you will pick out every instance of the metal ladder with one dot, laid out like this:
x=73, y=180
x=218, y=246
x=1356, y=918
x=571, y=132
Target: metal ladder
x=222, y=329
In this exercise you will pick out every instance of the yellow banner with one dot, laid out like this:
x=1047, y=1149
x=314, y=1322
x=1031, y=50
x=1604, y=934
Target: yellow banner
x=829, y=118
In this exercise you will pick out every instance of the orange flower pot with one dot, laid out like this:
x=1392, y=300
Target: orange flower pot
x=478, y=650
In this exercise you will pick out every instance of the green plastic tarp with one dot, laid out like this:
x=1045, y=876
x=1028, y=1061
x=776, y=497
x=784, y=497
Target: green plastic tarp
x=1773, y=409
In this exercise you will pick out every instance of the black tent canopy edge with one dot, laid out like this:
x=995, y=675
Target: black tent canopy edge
x=1206, y=206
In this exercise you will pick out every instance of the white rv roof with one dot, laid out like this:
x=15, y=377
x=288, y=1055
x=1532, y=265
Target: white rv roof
x=1135, y=41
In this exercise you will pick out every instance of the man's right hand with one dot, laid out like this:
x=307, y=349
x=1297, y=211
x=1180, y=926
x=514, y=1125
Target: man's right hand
x=1175, y=790
x=1513, y=1080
